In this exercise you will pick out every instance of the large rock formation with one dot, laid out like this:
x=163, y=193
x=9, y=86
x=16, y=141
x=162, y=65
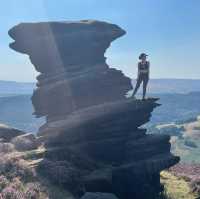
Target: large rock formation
x=92, y=134
x=70, y=58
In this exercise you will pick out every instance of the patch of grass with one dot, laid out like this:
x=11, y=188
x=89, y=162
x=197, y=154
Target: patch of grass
x=188, y=154
x=175, y=187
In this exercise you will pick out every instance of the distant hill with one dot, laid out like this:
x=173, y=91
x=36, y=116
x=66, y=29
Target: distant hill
x=16, y=88
x=173, y=85
x=155, y=86
x=176, y=107
x=185, y=139
x=16, y=111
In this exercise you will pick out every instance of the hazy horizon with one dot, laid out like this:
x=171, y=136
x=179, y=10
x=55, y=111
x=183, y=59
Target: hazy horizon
x=35, y=81
x=152, y=79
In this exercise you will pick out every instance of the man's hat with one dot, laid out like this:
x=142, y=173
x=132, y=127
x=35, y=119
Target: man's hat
x=142, y=55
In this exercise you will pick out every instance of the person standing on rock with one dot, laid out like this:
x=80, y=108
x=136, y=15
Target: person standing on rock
x=143, y=74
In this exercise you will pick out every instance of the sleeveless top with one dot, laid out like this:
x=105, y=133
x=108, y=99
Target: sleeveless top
x=143, y=67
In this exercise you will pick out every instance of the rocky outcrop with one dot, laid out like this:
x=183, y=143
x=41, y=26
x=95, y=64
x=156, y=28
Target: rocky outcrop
x=11, y=138
x=91, y=129
x=25, y=142
x=7, y=133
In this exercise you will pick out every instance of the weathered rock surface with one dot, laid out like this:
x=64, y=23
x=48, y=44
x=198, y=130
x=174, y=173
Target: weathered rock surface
x=98, y=196
x=91, y=128
x=25, y=142
x=70, y=57
x=7, y=133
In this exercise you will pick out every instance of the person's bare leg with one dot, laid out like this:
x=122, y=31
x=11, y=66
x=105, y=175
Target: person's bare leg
x=137, y=86
x=145, y=83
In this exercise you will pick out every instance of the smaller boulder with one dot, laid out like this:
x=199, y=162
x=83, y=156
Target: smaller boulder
x=98, y=195
x=25, y=142
x=7, y=133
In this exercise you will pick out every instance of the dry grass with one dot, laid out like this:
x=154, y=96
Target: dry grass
x=175, y=187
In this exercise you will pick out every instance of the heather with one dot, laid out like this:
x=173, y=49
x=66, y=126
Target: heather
x=19, y=179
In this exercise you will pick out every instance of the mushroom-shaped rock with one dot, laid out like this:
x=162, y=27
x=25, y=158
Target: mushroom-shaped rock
x=91, y=127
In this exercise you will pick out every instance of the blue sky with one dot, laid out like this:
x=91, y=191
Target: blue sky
x=168, y=30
